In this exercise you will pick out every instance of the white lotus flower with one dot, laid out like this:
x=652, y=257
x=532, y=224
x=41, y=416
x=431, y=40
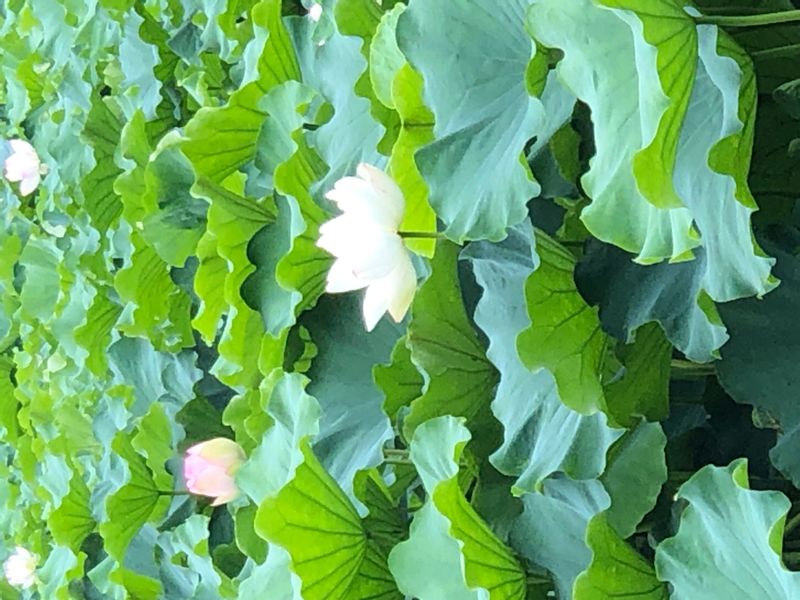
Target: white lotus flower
x=23, y=165
x=20, y=568
x=369, y=252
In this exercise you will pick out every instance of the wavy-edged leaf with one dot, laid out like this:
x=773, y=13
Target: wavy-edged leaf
x=551, y=531
x=629, y=295
x=542, y=435
x=617, y=570
x=445, y=348
x=729, y=540
x=353, y=427
x=636, y=471
x=565, y=335
x=451, y=550
x=691, y=139
x=474, y=83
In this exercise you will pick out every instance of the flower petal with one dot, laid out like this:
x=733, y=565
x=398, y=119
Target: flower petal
x=406, y=282
x=369, y=252
x=29, y=184
x=376, y=199
x=342, y=278
x=389, y=194
x=391, y=293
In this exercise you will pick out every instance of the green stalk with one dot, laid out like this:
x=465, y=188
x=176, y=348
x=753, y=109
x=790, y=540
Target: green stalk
x=776, y=18
x=420, y=234
x=777, y=52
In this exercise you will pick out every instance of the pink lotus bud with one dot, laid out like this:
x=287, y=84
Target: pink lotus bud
x=209, y=468
x=24, y=166
x=20, y=568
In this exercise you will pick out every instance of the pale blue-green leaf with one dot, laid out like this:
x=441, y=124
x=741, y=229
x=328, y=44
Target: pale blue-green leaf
x=551, y=531
x=474, y=72
x=729, y=540
x=353, y=427
x=542, y=436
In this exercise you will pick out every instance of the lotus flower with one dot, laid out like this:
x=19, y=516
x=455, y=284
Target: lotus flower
x=24, y=166
x=368, y=249
x=20, y=568
x=209, y=468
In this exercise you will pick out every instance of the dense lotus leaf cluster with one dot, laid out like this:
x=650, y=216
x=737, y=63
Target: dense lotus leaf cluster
x=577, y=228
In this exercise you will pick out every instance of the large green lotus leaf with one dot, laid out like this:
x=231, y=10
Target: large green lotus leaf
x=702, y=143
x=141, y=89
x=399, y=380
x=133, y=504
x=758, y=365
x=221, y=140
x=156, y=307
x=233, y=220
x=636, y=471
x=565, y=335
x=8, y=403
x=154, y=376
x=295, y=416
x=542, y=436
x=634, y=204
x=474, y=83
x=351, y=135
x=314, y=520
x=630, y=295
x=290, y=269
x=398, y=86
x=451, y=551
x=72, y=521
x=61, y=566
x=729, y=540
x=713, y=161
x=293, y=490
x=643, y=389
x=353, y=427
x=103, y=131
x=459, y=380
x=361, y=18
x=551, y=531
x=617, y=570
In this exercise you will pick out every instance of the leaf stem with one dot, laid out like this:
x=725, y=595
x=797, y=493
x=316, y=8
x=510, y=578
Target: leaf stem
x=775, y=18
x=686, y=369
x=791, y=524
x=174, y=493
x=777, y=52
x=420, y=234
x=394, y=460
x=402, y=452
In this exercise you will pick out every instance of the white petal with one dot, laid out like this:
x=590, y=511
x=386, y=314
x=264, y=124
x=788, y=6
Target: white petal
x=406, y=281
x=369, y=251
x=341, y=278
x=342, y=236
x=17, y=167
x=392, y=293
x=381, y=202
x=389, y=194
x=22, y=147
x=29, y=184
